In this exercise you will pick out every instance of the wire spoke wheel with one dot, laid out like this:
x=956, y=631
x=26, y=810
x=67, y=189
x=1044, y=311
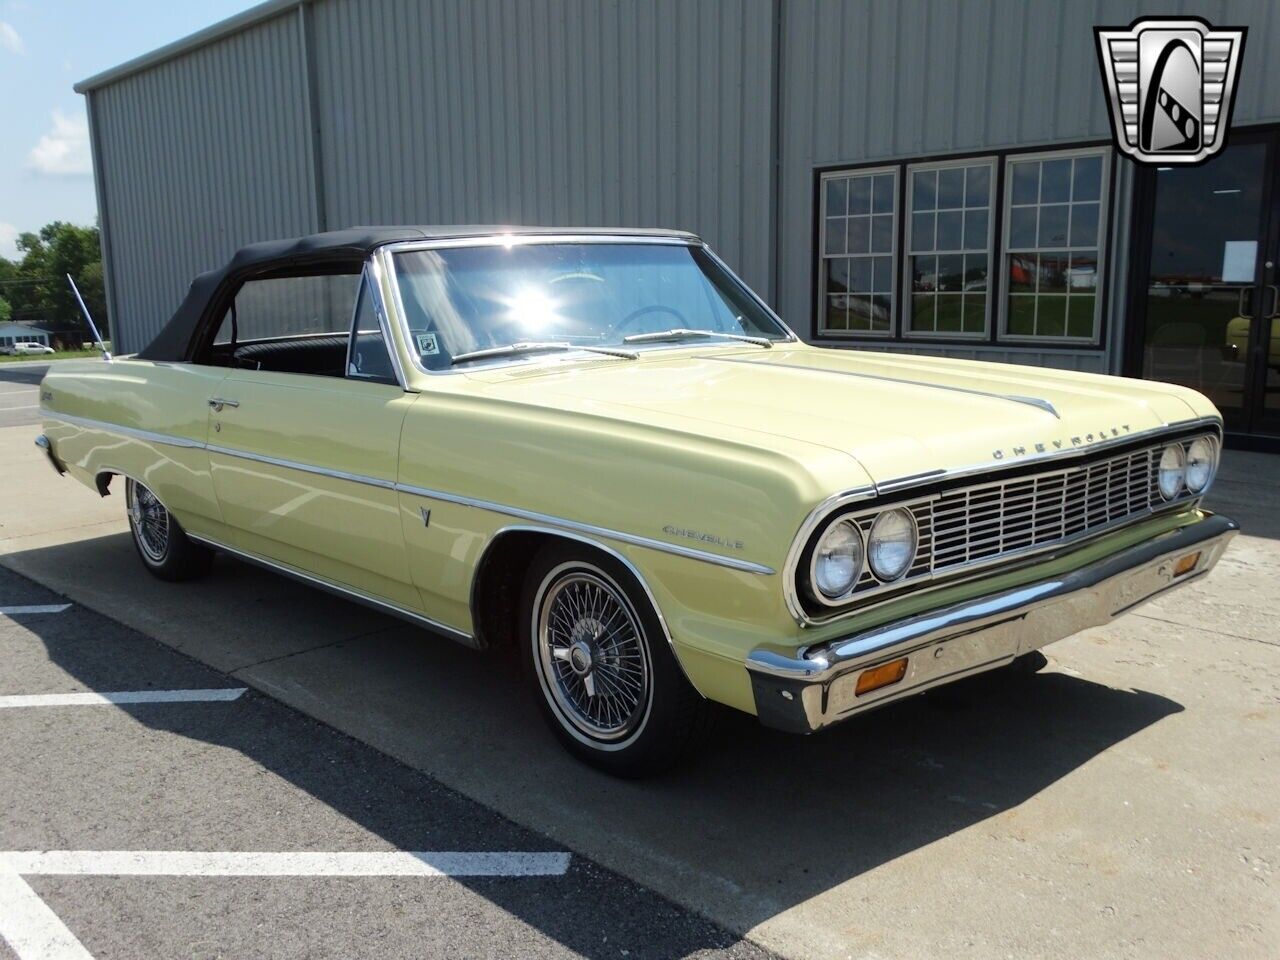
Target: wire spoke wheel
x=592, y=654
x=149, y=520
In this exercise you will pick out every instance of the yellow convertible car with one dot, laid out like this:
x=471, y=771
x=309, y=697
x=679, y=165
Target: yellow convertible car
x=599, y=448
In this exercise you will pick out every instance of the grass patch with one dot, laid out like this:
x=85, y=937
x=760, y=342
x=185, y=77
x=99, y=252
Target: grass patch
x=60, y=355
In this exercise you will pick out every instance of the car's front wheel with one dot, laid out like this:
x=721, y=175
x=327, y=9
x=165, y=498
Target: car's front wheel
x=165, y=549
x=604, y=674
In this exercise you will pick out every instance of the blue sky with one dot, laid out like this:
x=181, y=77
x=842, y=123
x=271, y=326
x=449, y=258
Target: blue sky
x=45, y=47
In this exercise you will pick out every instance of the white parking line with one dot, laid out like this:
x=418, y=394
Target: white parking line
x=127, y=696
x=31, y=929
x=34, y=932
x=36, y=608
x=182, y=863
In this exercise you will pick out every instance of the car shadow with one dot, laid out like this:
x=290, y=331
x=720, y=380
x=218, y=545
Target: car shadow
x=761, y=822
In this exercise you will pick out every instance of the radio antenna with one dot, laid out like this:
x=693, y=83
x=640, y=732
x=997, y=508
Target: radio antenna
x=97, y=337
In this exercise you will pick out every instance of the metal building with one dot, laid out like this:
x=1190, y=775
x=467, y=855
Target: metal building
x=876, y=169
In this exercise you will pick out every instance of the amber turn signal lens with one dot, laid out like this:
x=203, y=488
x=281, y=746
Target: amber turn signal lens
x=881, y=676
x=1186, y=564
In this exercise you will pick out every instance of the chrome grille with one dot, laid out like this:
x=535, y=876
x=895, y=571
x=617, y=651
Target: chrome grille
x=984, y=522
x=992, y=519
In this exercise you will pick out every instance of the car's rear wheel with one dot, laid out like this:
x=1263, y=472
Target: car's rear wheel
x=603, y=672
x=165, y=549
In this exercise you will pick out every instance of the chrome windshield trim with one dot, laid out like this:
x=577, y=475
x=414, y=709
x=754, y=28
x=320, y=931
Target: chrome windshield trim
x=833, y=504
x=342, y=590
x=132, y=432
x=302, y=467
x=746, y=566
x=386, y=256
x=372, y=276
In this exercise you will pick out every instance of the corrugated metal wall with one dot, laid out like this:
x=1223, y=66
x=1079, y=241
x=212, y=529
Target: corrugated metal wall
x=865, y=80
x=199, y=155
x=560, y=112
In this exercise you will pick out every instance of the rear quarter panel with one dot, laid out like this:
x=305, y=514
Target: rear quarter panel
x=111, y=417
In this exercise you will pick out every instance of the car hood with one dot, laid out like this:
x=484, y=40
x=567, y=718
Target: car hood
x=897, y=415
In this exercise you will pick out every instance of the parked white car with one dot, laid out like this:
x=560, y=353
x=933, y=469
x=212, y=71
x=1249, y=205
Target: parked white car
x=26, y=347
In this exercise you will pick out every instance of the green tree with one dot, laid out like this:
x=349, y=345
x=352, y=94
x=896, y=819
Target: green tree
x=36, y=285
x=5, y=310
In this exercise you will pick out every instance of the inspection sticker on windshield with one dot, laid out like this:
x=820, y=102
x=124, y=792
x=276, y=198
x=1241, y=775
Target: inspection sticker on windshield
x=427, y=345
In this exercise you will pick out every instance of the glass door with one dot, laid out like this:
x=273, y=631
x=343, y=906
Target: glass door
x=1208, y=301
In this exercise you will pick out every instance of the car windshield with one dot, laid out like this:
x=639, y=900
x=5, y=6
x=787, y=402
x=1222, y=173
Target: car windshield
x=546, y=298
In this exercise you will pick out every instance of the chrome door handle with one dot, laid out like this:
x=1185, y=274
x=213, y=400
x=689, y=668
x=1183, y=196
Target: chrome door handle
x=1244, y=292
x=218, y=403
x=1275, y=302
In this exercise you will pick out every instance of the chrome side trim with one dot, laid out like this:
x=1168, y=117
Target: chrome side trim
x=132, y=432
x=747, y=566
x=828, y=507
x=691, y=553
x=302, y=467
x=631, y=568
x=343, y=591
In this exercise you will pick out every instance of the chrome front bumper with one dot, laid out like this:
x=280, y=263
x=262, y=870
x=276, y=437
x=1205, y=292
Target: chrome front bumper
x=804, y=693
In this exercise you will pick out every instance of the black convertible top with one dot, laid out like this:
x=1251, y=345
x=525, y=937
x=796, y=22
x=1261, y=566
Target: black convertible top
x=337, y=247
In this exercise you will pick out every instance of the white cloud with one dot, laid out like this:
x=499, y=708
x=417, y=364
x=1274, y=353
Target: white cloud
x=64, y=150
x=8, y=241
x=10, y=38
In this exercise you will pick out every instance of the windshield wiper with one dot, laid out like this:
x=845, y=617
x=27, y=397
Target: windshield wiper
x=514, y=349
x=681, y=333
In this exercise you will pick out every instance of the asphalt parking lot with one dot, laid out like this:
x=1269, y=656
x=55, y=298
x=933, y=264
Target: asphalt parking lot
x=195, y=818
x=19, y=393
x=1119, y=804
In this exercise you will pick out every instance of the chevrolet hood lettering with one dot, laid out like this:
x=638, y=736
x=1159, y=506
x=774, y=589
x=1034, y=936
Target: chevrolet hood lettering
x=1066, y=443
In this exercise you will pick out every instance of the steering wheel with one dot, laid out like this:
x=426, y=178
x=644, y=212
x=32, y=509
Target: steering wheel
x=635, y=315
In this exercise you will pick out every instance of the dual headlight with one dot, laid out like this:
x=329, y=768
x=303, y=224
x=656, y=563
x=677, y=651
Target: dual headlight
x=841, y=551
x=1187, y=466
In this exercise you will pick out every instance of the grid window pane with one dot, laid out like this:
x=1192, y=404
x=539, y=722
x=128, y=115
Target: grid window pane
x=1087, y=180
x=1022, y=227
x=975, y=229
x=882, y=233
x=1053, y=225
x=950, y=230
x=950, y=188
x=835, y=235
x=1026, y=182
x=837, y=276
x=952, y=218
x=1054, y=209
x=859, y=195
x=882, y=274
x=977, y=186
x=1084, y=224
x=924, y=190
x=922, y=309
x=1055, y=181
x=859, y=275
x=859, y=214
x=882, y=194
x=859, y=234
x=836, y=191
x=951, y=272
x=922, y=231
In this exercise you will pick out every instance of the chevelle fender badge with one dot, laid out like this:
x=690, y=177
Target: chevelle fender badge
x=1065, y=443
x=685, y=532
